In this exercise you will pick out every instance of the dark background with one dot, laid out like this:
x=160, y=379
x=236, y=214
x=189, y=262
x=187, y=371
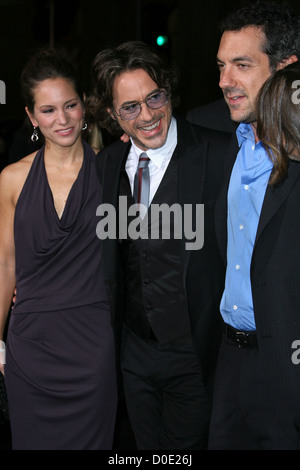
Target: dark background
x=83, y=27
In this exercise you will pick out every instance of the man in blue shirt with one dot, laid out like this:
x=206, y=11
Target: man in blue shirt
x=248, y=182
x=252, y=410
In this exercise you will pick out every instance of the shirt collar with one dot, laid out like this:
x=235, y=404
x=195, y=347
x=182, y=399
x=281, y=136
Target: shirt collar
x=158, y=156
x=245, y=132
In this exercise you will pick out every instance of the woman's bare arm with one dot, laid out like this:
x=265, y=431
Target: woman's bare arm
x=11, y=182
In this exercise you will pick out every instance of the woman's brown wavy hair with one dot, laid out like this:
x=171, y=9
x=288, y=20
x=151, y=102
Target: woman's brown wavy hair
x=278, y=119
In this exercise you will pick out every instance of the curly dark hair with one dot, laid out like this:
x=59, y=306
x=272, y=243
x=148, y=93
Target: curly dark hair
x=111, y=63
x=278, y=118
x=279, y=24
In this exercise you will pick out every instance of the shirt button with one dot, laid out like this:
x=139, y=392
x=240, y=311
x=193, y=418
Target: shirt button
x=241, y=226
x=246, y=187
x=237, y=266
x=234, y=307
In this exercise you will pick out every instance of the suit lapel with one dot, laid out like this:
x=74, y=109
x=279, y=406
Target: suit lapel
x=191, y=159
x=191, y=156
x=112, y=171
x=276, y=196
x=111, y=167
x=221, y=204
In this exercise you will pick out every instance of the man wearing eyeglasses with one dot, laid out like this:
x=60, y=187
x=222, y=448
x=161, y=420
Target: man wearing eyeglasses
x=166, y=296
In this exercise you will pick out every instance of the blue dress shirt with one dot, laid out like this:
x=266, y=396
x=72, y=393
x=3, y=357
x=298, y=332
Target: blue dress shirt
x=248, y=183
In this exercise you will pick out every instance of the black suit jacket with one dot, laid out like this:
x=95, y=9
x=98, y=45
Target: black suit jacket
x=200, y=175
x=275, y=281
x=214, y=115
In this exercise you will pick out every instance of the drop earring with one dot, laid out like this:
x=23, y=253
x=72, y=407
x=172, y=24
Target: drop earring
x=35, y=135
x=85, y=126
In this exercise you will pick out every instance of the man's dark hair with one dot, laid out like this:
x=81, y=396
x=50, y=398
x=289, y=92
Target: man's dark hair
x=111, y=63
x=279, y=24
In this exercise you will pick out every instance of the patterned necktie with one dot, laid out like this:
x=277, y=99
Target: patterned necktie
x=142, y=181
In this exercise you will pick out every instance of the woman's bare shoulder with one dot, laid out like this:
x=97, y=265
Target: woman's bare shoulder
x=18, y=168
x=13, y=176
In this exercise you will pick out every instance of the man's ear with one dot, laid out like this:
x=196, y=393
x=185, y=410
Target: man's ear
x=125, y=138
x=288, y=61
x=31, y=117
x=111, y=112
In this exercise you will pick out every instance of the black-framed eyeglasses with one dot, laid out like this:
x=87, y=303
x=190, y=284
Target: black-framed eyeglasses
x=132, y=110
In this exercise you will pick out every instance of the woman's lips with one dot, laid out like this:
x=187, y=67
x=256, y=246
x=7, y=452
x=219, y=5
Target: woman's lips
x=67, y=131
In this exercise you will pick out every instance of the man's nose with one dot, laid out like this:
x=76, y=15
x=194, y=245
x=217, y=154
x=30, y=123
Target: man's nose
x=146, y=112
x=227, y=78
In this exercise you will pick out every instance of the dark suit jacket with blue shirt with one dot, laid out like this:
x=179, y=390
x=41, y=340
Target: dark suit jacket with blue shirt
x=275, y=282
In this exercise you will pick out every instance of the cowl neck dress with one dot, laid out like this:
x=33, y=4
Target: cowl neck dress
x=60, y=370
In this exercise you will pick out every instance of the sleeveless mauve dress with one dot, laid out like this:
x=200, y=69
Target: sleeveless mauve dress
x=60, y=371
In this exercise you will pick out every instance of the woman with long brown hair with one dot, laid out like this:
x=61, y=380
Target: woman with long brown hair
x=278, y=119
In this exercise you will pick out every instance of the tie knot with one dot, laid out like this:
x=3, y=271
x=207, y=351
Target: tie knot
x=143, y=161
